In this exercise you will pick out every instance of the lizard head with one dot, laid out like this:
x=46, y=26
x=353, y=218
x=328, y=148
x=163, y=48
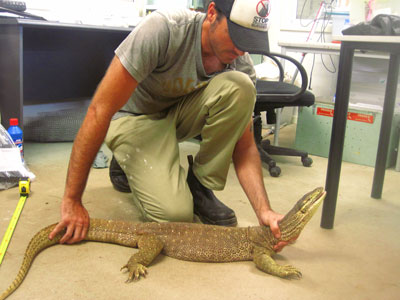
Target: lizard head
x=295, y=220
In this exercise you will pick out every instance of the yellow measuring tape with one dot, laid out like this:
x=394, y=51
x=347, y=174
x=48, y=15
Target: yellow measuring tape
x=24, y=190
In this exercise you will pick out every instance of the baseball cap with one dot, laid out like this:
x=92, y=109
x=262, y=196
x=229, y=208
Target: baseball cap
x=248, y=23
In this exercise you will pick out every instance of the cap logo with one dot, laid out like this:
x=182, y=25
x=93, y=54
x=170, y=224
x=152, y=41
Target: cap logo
x=252, y=14
x=248, y=23
x=263, y=8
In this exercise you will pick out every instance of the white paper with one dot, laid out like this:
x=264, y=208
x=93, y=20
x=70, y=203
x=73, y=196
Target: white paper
x=10, y=159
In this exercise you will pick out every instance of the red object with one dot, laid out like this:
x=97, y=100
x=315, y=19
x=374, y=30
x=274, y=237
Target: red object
x=325, y=111
x=14, y=122
x=360, y=117
x=328, y=112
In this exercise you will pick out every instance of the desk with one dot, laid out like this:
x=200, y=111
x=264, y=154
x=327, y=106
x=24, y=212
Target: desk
x=310, y=47
x=47, y=61
x=325, y=48
x=351, y=46
x=386, y=44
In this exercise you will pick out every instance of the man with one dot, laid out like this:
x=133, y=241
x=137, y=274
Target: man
x=176, y=76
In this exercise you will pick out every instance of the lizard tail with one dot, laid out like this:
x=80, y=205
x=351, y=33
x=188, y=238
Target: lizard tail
x=38, y=243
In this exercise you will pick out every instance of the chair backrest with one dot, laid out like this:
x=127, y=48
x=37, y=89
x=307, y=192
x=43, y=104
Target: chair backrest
x=298, y=65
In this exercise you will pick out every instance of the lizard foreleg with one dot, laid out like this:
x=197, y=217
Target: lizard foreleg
x=266, y=264
x=149, y=247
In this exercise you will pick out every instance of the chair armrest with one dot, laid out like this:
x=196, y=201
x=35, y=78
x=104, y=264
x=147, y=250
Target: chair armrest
x=298, y=65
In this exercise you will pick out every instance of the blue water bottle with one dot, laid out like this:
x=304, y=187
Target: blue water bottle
x=16, y=135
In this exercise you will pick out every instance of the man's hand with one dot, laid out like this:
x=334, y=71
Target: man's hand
x=272, y=219
x=75, y=218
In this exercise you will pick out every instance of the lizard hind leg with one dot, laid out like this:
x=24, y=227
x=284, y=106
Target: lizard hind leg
x=149, y=247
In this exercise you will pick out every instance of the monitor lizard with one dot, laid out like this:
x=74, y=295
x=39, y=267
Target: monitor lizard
x=188, y=241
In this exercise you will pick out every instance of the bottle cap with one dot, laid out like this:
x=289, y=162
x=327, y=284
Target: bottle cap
x=14, y=122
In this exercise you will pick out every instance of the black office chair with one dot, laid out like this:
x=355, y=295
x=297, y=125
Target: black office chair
x=273, y=95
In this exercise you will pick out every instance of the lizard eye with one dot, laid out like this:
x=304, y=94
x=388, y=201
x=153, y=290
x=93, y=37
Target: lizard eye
x=304, y=209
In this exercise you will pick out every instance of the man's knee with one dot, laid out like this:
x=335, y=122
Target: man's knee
x=240, y=91
x=240, y=82
x=238, y=95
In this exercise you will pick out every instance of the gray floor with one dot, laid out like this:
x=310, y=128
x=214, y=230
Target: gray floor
x=358, y=259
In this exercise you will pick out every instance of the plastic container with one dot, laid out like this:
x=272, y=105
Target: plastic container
x=17, y=135
x=340, y=21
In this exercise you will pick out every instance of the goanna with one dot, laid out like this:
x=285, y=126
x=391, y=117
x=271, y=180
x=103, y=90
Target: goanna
x=188, y=241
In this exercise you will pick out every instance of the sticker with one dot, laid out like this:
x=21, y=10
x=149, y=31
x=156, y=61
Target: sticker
x=353, y=116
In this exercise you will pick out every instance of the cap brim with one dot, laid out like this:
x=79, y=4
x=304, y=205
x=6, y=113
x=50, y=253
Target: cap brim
x=248, y=40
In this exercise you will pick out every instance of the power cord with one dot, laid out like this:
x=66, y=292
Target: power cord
x=325, y=6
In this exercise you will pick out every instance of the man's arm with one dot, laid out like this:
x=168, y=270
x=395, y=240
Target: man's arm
x=247, y=164
x=112, y=93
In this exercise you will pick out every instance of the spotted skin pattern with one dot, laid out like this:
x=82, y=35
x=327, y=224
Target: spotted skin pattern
x=187, y=241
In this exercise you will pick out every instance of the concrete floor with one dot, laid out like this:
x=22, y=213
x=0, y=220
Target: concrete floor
x=358, y=259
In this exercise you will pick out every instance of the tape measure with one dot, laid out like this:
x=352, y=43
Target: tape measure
x=24, y=190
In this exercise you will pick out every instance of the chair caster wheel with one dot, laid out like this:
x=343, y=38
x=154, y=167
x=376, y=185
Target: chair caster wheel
x=307, y=161
x=275, y=171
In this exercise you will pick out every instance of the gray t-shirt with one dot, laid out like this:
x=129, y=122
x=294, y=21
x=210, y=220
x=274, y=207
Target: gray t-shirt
x=163, y=54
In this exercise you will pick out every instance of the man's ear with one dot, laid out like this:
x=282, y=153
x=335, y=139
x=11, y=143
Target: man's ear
x=211, y=12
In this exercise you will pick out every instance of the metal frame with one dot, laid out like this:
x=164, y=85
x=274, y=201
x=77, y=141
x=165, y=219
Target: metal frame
x=360, y=46
x=347, y=50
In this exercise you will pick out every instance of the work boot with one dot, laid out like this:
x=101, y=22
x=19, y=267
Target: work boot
x=206, y=206
x=118, y=177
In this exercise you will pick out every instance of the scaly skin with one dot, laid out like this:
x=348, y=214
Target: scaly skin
x=188, y=241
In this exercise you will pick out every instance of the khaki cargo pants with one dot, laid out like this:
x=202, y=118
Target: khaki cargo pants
x=146, y=146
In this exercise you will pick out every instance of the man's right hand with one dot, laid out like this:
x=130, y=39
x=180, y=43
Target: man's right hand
x=75, y=218
x=112, y=93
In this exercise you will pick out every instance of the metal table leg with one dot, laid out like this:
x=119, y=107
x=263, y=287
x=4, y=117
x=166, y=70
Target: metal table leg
x=338, y=134
x=386, y=125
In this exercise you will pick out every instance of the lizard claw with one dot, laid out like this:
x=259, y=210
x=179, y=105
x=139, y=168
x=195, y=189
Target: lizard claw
x=135, y=271
x=291, y=272
x=124, y=267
